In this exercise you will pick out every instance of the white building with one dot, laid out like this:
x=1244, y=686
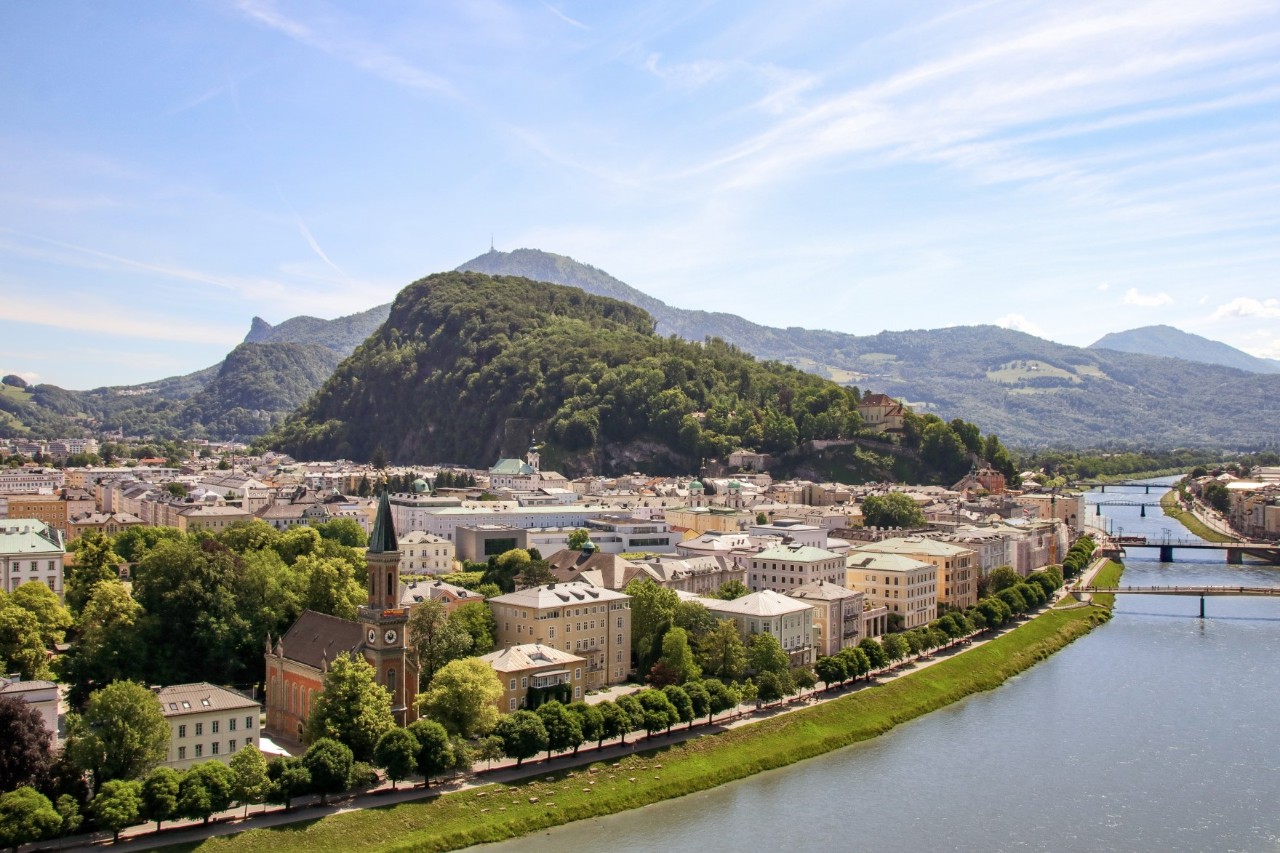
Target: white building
x=768, y=612
x=206, y=722
x=785, y=567
x=30, y=550
x=425, y=553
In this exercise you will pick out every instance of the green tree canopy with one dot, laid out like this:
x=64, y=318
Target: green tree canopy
x=160, y=795
x=435, y=751
x=117, y=805
x=765, y=654
x=121, y=735
x=463, y=697
x=26, y=815
x=397, y=753
x=252, y=784
x=353, y=709
x=434, y=639
x=523, y=735
x=329, y=762
x=722, y=653
x=564, y=731
x=895, y=509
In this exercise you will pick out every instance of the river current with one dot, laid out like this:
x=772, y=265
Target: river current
x=1157, y=731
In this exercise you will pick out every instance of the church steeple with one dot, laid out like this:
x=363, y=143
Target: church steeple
x=384, y=620
x=383, y=538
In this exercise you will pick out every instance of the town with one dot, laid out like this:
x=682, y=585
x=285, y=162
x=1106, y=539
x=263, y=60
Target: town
x=413, y=621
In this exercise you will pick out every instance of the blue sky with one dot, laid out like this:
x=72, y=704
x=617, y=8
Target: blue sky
x=169, y=170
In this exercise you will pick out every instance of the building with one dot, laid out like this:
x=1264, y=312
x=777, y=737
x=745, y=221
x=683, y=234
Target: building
x=214, y=519
x=882, y=413
x=297, y=662
x=452, y=597
x=698, y=575
x=620, y=534
x=206, y=722
x=41, y=695
x=425, y=553
x=701, y=519
x=106, y=523
x=785, y=567
x=793, y=531
x=532, y=674
x=956, y=566
x=905, y=586
x=591, y=622
x=837, y=614
x=55, y=510
x=15, y=481
x=789, y=620
x=30, y=551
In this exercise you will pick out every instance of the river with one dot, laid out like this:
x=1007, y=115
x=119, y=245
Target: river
x=1154, y=732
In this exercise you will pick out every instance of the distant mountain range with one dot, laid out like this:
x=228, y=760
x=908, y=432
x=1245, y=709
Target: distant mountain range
x=1175, y=343
x=1156, y=387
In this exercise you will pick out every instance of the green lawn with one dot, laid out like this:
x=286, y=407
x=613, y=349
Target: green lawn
x=1188, y=519
x=497, y=812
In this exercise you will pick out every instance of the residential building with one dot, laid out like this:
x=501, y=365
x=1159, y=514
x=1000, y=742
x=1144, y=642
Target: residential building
x=882, y=413
x=106, y=523
x=789, y=620
x=214, y=519
x=206, y=723
x=905, y=586
x=785, y=567
x=619, y=534
x=531, y=674
x=14, y=481
x=793, y=532
x=30, y=551
x=701, y=519
x=423, y=553
x=451, y=596
x=589, y=621
x=837, y=614
x=699, y=575
x=956, y=565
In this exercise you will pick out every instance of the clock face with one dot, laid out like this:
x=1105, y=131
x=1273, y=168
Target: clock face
x=373, y=635
x=389, y=637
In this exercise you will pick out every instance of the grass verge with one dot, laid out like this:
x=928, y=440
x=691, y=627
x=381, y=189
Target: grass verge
x=497, y=812
x=1173, y=509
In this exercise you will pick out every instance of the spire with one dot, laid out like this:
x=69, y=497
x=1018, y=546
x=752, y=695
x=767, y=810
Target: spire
x=383, y=538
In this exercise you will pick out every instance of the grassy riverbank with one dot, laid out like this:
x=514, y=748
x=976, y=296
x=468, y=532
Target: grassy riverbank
x=496, y=812
x=1172, y=508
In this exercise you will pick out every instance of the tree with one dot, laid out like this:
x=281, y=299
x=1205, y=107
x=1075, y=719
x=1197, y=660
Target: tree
x=765, y=654
x=523, y=735
x=251, y=783
x=730, y=590
x=590, y=720
x=352, y=709
x=435, y=751
x=108, y=648
x=26, y=815
x=118, y=804
x=652, y=609
x=831, y=669
x=397, y=753
x=856, y=662
x=434, y=639
x=892, y=510
x=122, y=734
x=562, y=727
x=695, y=619
x=677, y=657
x=21, y=644
x=205, y=790
x=94, y=561
x=489, y=749
x=659, y=713
x=679, y=699
x=289, y=779
x=722, y=653
x=1013, y=599
x=345, y=531
x=804, y=678
x=25, y=758
x=699, y=699
x=68, y=808
x=160, y=795
x=41, y=602
x=476, y=619
x=895, y=647
x=578, y=539
x=329, y=762
x=773, y=686
x=463, y=697
x=1002, y=578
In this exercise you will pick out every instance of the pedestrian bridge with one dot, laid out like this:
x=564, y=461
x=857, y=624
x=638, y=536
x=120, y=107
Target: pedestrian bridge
x=1081, y=593
x=1235, y=551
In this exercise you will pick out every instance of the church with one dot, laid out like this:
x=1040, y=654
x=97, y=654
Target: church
x=297, y=662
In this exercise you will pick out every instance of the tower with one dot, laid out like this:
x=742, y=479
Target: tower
x=383, y=620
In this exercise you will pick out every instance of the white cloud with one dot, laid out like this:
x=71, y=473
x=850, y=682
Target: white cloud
x=1019, y=323
x=1246, y=306
x=1104, y=286
x=1146, y=300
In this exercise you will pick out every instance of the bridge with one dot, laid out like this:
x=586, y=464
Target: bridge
x=1235, y=551
x=1201, y=591
x=1101, y=486
x=1143, y=512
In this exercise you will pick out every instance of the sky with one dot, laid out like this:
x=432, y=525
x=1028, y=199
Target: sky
x=170, y=170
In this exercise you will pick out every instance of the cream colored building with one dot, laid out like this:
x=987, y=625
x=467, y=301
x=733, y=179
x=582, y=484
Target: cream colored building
x=837, y=614
x=956, y=566
x=702, y=518
x=423, y=553
x=785, y=567
x=906, y=586
x=206, y=722
x=549, y=673
x=591, y=622
x=789, y=620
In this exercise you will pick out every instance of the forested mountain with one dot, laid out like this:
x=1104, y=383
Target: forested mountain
x=470, y=367
x=1030, y=391
x=1175, y=343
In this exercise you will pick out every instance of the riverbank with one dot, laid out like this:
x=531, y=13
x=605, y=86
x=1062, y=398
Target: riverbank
x=1173, y=508
x=497, y=812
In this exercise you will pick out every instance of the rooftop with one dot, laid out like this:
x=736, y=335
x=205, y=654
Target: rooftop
x=200, y=698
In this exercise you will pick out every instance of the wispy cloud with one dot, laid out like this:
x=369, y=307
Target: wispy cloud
x=90, y=315
x=1246, y=306
x=1134, y=297
x=1019, y=323
x=562, y=16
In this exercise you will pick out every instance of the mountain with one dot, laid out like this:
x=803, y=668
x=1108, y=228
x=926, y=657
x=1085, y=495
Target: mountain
x=469, y=368
x=1175, y=343
x=342, y=334
x=1031, y=392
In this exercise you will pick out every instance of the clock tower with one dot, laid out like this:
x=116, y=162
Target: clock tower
x=383, y=620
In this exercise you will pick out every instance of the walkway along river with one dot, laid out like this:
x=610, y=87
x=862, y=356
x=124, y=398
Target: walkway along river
x=1154, y=732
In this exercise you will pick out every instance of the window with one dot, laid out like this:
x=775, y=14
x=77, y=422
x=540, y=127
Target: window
x=215, y=747
x=199, y=729
x=551, y=633
x=577, y=673
x=182, y=730
x=524, y=682
x=619, y=639
x=513, y=685
x=248, y=741
x=215, y=726
x=248, y=724
x=231, y=745
x=182, y=753
x=511, y=704
x=199, y=750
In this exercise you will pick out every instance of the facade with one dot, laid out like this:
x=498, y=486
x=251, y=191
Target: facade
x=785, y=567
x=591, y=622
x=795, y=530
x=532, y=674
x=768, y=612
x=54, y=510
x=701, y=519
x=425, y=553
x=15, y=481
x=837, y=614
x=903, y=585
x=956, y=565
x=30, y=551
x=106, y=523
x=206, y=722
x=297, y=662
x=618, y=534
x=882, y=413
x=698, y=575
x=215, y=519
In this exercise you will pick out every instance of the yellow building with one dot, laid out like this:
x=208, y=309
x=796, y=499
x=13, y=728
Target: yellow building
x=588, y=621
x=704, y=518
x=956, y=565
x=905, y=586
x=532, y=674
